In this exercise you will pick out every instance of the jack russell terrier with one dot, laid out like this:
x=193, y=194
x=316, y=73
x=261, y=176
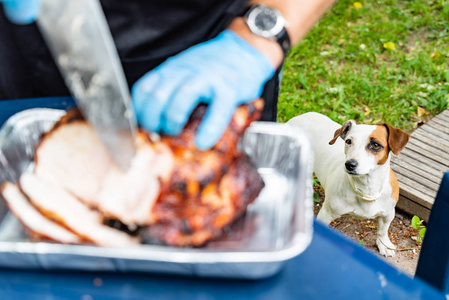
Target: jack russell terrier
x=355, y=170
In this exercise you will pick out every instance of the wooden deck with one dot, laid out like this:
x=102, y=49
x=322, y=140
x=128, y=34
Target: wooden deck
x=421, y=165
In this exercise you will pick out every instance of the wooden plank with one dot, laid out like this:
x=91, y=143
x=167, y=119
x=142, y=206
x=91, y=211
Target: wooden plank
x=419, y=183
x=436, y=159
x=441, y=119
x=428, y=147
x=416, y=197
x=418, y=193
x=431, y=180
x=410, y=207
x=426, y=150
x=422, y=164
x=421, y=170
x=440, y=124
x=434, y=142
x=414, y=191
x=443, y=115
x=443, y=137
x=424, y=160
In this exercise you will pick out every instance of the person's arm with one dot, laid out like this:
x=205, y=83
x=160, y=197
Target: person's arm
x=224, y=72
x=300, y=15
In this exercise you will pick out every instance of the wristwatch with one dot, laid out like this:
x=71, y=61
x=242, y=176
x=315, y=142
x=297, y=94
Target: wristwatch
x=268, y=22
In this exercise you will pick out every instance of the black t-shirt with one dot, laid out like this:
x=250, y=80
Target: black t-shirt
x=145, y=32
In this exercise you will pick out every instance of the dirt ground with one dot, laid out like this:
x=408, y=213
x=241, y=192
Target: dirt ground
x=401, y=234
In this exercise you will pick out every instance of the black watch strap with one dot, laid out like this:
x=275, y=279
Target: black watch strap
x=283, y=40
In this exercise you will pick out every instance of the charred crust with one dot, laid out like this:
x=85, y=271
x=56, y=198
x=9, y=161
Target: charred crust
x=197, y=115
x=116, y=224
x=181, y=187
x=244, y=184
x=73, y=115
x=251, y=109
x=185, y=227
x=224, y=169
x=258, y=105
x=206, y=180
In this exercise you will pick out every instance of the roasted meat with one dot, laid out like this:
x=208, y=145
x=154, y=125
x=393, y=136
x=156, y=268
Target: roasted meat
x=72, y=156
x=175, y=193
x=208, y=189
x=35, y=222
x=185, y=220
x=62, y=207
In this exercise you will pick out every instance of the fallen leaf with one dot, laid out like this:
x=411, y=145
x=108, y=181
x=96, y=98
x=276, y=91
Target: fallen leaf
x=357, y=5
x=367, y=111
x=435, y=55
x=422, y=112
x=390, y=46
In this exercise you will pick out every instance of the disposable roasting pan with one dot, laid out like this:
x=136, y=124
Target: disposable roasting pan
x=276, y=227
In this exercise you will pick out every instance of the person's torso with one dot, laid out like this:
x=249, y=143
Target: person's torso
x=145, y=33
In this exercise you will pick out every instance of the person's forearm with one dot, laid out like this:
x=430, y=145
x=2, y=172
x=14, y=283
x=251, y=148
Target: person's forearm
x=301, y=15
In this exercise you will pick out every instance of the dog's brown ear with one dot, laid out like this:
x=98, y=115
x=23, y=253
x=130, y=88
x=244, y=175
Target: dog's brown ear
x=397, y=139
x=343, y=131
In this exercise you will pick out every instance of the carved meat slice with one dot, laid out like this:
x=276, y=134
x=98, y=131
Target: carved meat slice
x=60, y=206
x=71, y=156
x=74, y=158
x=32, y=219
x=130, y=196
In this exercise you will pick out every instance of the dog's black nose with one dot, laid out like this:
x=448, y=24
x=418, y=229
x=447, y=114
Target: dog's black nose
x=351, y=164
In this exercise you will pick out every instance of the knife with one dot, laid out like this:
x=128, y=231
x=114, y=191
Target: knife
x=82, y=46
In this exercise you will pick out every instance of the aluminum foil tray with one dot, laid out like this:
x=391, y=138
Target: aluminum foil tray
x=276, y=227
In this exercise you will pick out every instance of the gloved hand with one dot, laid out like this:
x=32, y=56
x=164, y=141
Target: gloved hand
x=21, y=11
x=224, y=72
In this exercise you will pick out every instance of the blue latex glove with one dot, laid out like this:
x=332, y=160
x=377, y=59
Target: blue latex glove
x=224, y=72
x=21, y=11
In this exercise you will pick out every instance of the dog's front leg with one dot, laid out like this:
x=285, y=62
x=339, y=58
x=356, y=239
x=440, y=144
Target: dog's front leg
x=386, y=247
x=326, y=214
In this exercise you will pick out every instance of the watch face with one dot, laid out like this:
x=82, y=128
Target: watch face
x=266, y=20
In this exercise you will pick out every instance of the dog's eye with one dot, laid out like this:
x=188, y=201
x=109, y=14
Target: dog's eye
x=348, y=142
x=375, y=146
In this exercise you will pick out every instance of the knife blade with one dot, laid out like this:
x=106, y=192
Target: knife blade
x=82, y=46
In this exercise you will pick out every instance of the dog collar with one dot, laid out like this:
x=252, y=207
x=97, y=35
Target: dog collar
x=366, y=197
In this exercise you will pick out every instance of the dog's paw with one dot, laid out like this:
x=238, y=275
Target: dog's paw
x=386, y=247
x=386, y=252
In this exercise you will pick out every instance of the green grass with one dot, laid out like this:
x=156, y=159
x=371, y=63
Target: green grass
x=344, y=69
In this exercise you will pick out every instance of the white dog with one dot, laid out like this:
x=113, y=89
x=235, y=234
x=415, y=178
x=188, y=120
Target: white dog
x=355, y=170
